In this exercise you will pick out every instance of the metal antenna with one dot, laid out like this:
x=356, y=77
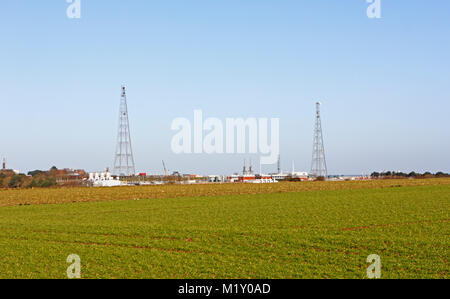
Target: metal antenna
x=124, y=161
x=319, y=164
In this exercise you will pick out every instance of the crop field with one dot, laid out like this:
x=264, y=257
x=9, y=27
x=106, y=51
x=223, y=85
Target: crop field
x=13, y=197
x=286, y=230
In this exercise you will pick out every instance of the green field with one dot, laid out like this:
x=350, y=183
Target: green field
x=310, y=234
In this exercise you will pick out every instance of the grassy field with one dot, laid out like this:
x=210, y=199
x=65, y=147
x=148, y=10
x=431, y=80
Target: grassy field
x=301, y=230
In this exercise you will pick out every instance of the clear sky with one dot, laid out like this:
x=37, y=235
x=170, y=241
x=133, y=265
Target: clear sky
x=384, y=83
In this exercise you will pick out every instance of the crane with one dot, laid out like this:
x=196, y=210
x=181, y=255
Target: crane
x=165, y=169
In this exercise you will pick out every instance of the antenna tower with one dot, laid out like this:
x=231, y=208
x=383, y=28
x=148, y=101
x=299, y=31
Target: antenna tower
x=319, y=164
x=124, y=161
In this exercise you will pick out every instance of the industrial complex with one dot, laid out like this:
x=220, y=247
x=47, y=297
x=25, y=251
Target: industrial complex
x=124, y=172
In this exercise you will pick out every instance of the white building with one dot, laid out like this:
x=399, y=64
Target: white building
x=216, y=178
x=104, y=179
x=280, y=176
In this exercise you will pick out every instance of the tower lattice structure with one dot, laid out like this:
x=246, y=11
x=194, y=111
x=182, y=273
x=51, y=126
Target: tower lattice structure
x=319, y=164
x=124, y=160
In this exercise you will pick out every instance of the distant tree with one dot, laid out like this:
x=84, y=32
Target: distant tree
x=33, y=184
x=428, y=175
x=16, y=181
x=375, y=175
x=54, y=168
x=48, y=183
x=35, y=173
x=2, y=179
x=412, y=174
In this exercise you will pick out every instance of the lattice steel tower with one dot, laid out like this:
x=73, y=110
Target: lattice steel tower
x=319, y=164
x=124, y=161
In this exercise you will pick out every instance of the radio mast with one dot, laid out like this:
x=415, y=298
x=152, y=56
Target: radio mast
x=319, y=164
x=124, y=160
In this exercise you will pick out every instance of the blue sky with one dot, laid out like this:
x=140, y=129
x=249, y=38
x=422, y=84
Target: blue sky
x=384, y=83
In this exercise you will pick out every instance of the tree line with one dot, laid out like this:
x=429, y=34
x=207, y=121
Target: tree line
x=38, y=178
x=412, y=174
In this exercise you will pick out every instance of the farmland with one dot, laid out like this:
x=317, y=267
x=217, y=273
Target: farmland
x=14, y=197
x=289, y=230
